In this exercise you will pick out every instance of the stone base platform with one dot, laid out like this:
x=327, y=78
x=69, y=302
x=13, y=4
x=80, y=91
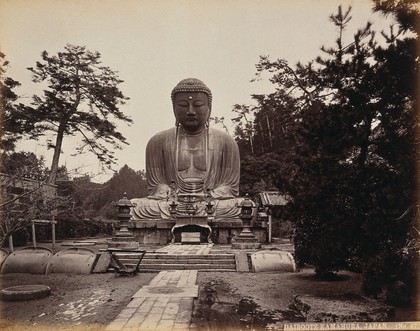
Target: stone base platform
x=158, y=232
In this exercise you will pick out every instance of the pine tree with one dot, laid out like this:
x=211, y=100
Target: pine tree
x=81, y=98
x=350, y=129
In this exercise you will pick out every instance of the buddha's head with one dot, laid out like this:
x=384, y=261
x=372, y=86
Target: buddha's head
x=191, y=100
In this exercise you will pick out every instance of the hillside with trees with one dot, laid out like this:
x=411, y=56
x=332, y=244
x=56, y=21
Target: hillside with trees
x=80, y=207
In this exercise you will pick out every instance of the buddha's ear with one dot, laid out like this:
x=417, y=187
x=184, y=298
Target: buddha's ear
x=208, y=118
x=177, y=123
x=176, y=118
x=209, y=107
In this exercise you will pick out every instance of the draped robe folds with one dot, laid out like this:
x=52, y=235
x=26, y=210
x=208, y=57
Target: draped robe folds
x=221, y=176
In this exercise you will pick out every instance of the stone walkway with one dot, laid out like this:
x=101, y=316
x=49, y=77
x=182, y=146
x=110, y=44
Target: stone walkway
x=167, y=302
x=186, y=249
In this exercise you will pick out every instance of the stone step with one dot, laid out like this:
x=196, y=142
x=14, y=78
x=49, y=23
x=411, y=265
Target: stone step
x=178, y=258
x=186, y=266
x=177, y=261
x=145, y=270
x=188, y=256
x=147, y=264
x=154, y=261
x=162, y=267
x=185, y=261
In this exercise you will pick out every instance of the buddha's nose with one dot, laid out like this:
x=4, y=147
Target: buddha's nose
x=191, y=110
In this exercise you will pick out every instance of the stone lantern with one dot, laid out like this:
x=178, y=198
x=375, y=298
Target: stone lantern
x=173, y=208
x=246, y=239
x=123, y=237
x=209, y=204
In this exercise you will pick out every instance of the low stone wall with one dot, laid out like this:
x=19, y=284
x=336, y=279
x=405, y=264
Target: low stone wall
x=225, y=230
x=158, y=232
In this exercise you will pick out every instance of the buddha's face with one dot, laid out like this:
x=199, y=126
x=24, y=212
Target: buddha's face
x=191, y=110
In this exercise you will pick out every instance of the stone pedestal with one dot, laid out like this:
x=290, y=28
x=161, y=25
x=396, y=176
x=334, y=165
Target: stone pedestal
x=123, y=239
x=158, y=232
x=246, y=240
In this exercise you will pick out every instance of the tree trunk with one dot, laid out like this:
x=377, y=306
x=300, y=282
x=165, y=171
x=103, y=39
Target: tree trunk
x=364, y=145
x=262, y=136
x=270, y=136
x=57, y=152
x=251, y=143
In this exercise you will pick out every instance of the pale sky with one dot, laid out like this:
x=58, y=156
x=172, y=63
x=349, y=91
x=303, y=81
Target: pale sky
x=155, y=44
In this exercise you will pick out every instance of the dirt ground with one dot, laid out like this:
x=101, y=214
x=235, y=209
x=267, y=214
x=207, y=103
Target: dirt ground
x=261, y=301
x=90, y=302
x=87, y=302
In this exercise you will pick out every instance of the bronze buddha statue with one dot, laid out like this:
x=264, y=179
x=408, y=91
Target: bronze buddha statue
x=191, y=159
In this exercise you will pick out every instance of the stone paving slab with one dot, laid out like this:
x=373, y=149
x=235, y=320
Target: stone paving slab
x=186, y=249
x=165, y=304
x=168, y=291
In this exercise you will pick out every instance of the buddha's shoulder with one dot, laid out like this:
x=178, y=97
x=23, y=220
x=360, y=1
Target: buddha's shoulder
x=163, y=135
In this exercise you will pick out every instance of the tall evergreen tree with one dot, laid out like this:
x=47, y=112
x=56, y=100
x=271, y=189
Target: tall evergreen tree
x=349, y=142
x=13, y=116
x=81, y=97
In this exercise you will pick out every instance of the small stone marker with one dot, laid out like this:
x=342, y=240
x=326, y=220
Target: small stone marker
x=190, y=237
x=241, y=261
